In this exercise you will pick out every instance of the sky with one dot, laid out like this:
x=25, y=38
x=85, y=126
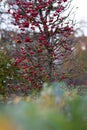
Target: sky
x=81, y=14
x=82, y=8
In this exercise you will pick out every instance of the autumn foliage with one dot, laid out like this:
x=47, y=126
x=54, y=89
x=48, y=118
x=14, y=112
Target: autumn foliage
x=44, y=39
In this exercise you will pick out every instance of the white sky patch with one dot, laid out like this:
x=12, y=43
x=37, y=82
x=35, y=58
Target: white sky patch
x=82, y=9
x=81, y=15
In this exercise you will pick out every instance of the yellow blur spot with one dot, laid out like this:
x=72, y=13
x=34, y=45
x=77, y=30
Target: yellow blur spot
x=6, y=124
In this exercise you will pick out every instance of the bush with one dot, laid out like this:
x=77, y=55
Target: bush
x=8, y=74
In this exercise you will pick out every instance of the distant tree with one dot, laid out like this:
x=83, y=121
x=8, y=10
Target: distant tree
x=76, y=65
